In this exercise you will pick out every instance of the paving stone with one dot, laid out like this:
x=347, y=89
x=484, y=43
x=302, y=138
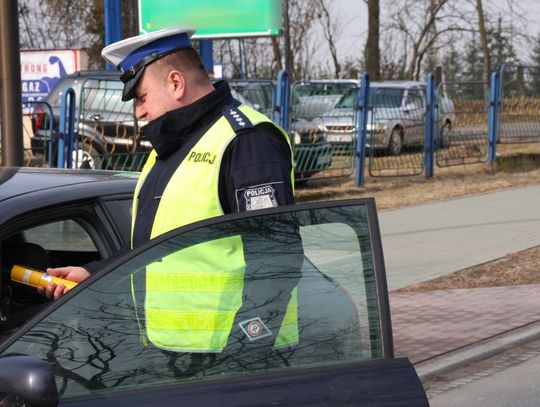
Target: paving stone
x=427, y=324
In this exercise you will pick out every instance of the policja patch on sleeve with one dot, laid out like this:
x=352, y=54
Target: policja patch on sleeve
x=257, y=197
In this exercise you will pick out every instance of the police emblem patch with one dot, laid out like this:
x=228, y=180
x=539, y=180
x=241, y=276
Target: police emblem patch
x=260, y=197
x=255, y=329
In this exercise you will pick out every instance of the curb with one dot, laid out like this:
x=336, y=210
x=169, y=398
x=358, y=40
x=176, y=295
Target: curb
x=476, y=352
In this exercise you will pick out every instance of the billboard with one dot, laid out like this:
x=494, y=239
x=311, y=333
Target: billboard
x=40, y=70
x=213, y=18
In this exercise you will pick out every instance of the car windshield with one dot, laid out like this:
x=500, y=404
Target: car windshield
x=348, y=100
x=385, y=97
x=258, y=95
x=86, y=85
x=57, y=92
x=105, y=95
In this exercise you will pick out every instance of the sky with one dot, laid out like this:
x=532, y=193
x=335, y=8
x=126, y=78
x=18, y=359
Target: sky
x=353, y=15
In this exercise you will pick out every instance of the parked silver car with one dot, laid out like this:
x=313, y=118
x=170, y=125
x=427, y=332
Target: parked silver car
x=395, y=120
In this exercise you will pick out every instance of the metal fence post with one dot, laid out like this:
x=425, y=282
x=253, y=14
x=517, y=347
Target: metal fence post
x=207, y=54
x=429, y=130
x=361, y=131
x=49, y=142
x=65, y=136
x=281, y=102
x=113, y=23
x=493, y=116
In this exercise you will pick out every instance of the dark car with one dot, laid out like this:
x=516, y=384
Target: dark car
x=107, y=132
x=52, y=218
x=86, y=348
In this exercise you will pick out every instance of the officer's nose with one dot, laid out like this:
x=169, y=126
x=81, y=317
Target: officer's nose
x=140, y=111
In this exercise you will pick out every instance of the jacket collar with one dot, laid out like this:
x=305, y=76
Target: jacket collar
x=170, y=131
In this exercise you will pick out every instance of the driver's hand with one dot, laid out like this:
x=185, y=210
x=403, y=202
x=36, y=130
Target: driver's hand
x=73, y=273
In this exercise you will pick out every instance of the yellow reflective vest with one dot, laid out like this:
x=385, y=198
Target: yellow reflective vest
x=192, y=295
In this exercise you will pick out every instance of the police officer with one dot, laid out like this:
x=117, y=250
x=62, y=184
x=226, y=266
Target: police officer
x=211, y=156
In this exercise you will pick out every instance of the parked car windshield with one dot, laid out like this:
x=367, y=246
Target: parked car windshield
x=58, y=90
x=379, y=97
x=348, y=100
x=93, y=88
x=385, y=97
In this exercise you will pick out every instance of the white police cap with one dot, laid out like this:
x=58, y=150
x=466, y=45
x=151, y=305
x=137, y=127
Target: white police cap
x=132, y=55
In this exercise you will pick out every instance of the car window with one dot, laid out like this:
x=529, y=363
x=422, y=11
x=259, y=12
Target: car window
x=414, y=99
x=56, y=243
x=118, y=333
x=62, y=235
x=258, y=95
x=101, y=104
x=121, y=211
x=347, y=101
x=313, y=99
x=385, y=97
x=54, y=99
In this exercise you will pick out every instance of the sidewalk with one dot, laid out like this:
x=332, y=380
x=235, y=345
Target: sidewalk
x=426, y=241
x=434, y=328
x=440, y=329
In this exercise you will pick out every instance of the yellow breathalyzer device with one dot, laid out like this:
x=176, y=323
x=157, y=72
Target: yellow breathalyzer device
x=36, y=278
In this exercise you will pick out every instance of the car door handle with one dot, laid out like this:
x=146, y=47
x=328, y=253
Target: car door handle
x=95, y=117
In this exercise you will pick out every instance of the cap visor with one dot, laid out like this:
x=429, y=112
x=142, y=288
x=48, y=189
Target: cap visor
x=130, y=86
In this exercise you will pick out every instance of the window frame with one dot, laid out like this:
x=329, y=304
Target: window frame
x=376, y=249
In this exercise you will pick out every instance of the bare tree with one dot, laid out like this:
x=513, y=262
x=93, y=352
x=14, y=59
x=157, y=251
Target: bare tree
x=287, y=40
x=70, y=24
x=428, y=26
x=267, y=56
x=483, y=41
x=372, y=54
x=302, y=16
x=277, y=53
x=54, y=23
x=394, y=60
x=331, y=31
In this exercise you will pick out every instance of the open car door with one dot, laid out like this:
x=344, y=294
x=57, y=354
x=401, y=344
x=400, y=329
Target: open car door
x=98, y=346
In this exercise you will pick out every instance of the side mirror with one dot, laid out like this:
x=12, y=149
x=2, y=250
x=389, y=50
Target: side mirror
x=25, y=380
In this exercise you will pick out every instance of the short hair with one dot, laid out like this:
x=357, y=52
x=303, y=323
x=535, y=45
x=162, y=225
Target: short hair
x=185, y=60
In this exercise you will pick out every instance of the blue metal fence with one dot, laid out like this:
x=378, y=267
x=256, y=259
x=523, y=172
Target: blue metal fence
x=493, y=116
x=281, y=100
x=430, y=126
x=323, y=128
x=66, y=137
x=519, y=94
x=396, y=128
x=362, y=120
x=337, y=127
x=463, y=126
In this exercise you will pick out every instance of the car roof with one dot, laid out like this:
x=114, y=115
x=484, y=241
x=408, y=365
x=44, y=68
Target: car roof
x=16, y=181
x=94, y=73
x=24, y=189
x=398, y=84
x=333, y=81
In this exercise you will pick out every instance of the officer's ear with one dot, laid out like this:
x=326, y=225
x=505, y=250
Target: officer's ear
x=176, y=82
